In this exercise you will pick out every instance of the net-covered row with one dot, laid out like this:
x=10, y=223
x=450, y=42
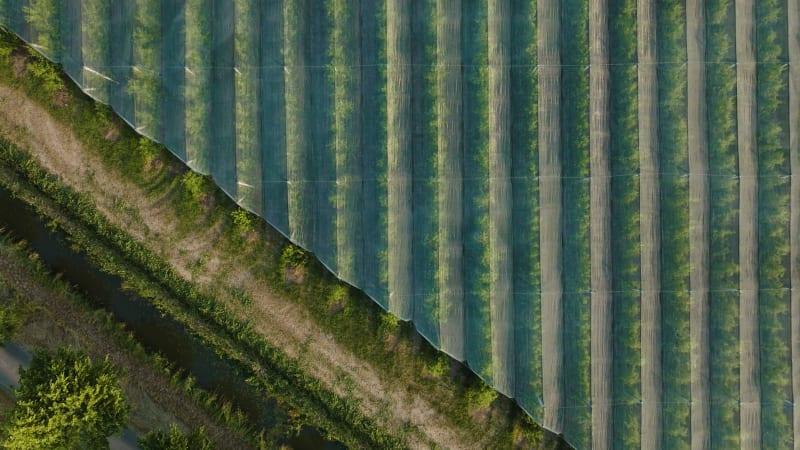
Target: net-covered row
x=522, y=179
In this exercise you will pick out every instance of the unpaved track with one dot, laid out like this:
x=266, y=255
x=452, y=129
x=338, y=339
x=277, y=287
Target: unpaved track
x=451, y=193
x=500, y=233
x=650, y=223
x=699, y=211
x=794, y=151
x=549, y=57
x=600, y=228
x=750, y=419
x=284, y=324
x=398, y=109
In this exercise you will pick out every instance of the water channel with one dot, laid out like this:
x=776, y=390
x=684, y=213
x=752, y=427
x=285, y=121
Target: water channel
x=155, y=332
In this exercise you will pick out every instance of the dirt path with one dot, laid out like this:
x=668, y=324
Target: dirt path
x=750, y=418
x=602, y=353
x=500, y=233
x=398, y=111
x=794, y=151
x=450, y=163
x=549, y=58
x=699, y=211
x=284, y=324
x=650, y=223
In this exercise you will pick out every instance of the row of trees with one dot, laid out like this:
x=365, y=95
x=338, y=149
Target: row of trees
x=723, y=223
x=94, y=26
x=197, y=90
x=345, y=59
x=525, y=223
x=625, y=248
x=674, y=184
x=44, y=18
x=575, y=161
x=425, y=195
x=450, y=174
x=146, y=76
x=773, y=230
x=247, y=36
x=298, y=145
x=477, y=274
x=374, y=144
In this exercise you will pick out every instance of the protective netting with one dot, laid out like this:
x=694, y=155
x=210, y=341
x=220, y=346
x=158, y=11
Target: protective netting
x=442, y=155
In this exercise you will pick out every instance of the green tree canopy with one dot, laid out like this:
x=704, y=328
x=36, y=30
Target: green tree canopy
x=66, y=401
x=175, y=439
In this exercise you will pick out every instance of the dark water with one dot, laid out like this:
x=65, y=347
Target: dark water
x=156, y=333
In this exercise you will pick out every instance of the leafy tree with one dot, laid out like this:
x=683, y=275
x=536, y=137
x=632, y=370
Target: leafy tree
x=175, y=439
x=66, y=401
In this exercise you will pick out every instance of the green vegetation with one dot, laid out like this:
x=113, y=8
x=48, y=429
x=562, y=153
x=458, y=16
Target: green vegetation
x=198, y=84
x=724, y=223
x=66, y=401
x=424, y=104
x=374, y=142
x=44, y=16
x=525, y=185
x=145, y=84
x=94, y=25
x=115, y=338
x=773, y=220
x=345, y=75
x=575, y=214
x=358, y=325
x=248, y=100
x=298, y=139
x=266, y=367
x=175, y=439
x=674, y=168
x=477, y=276
x=626, y=251
x=10, y=314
